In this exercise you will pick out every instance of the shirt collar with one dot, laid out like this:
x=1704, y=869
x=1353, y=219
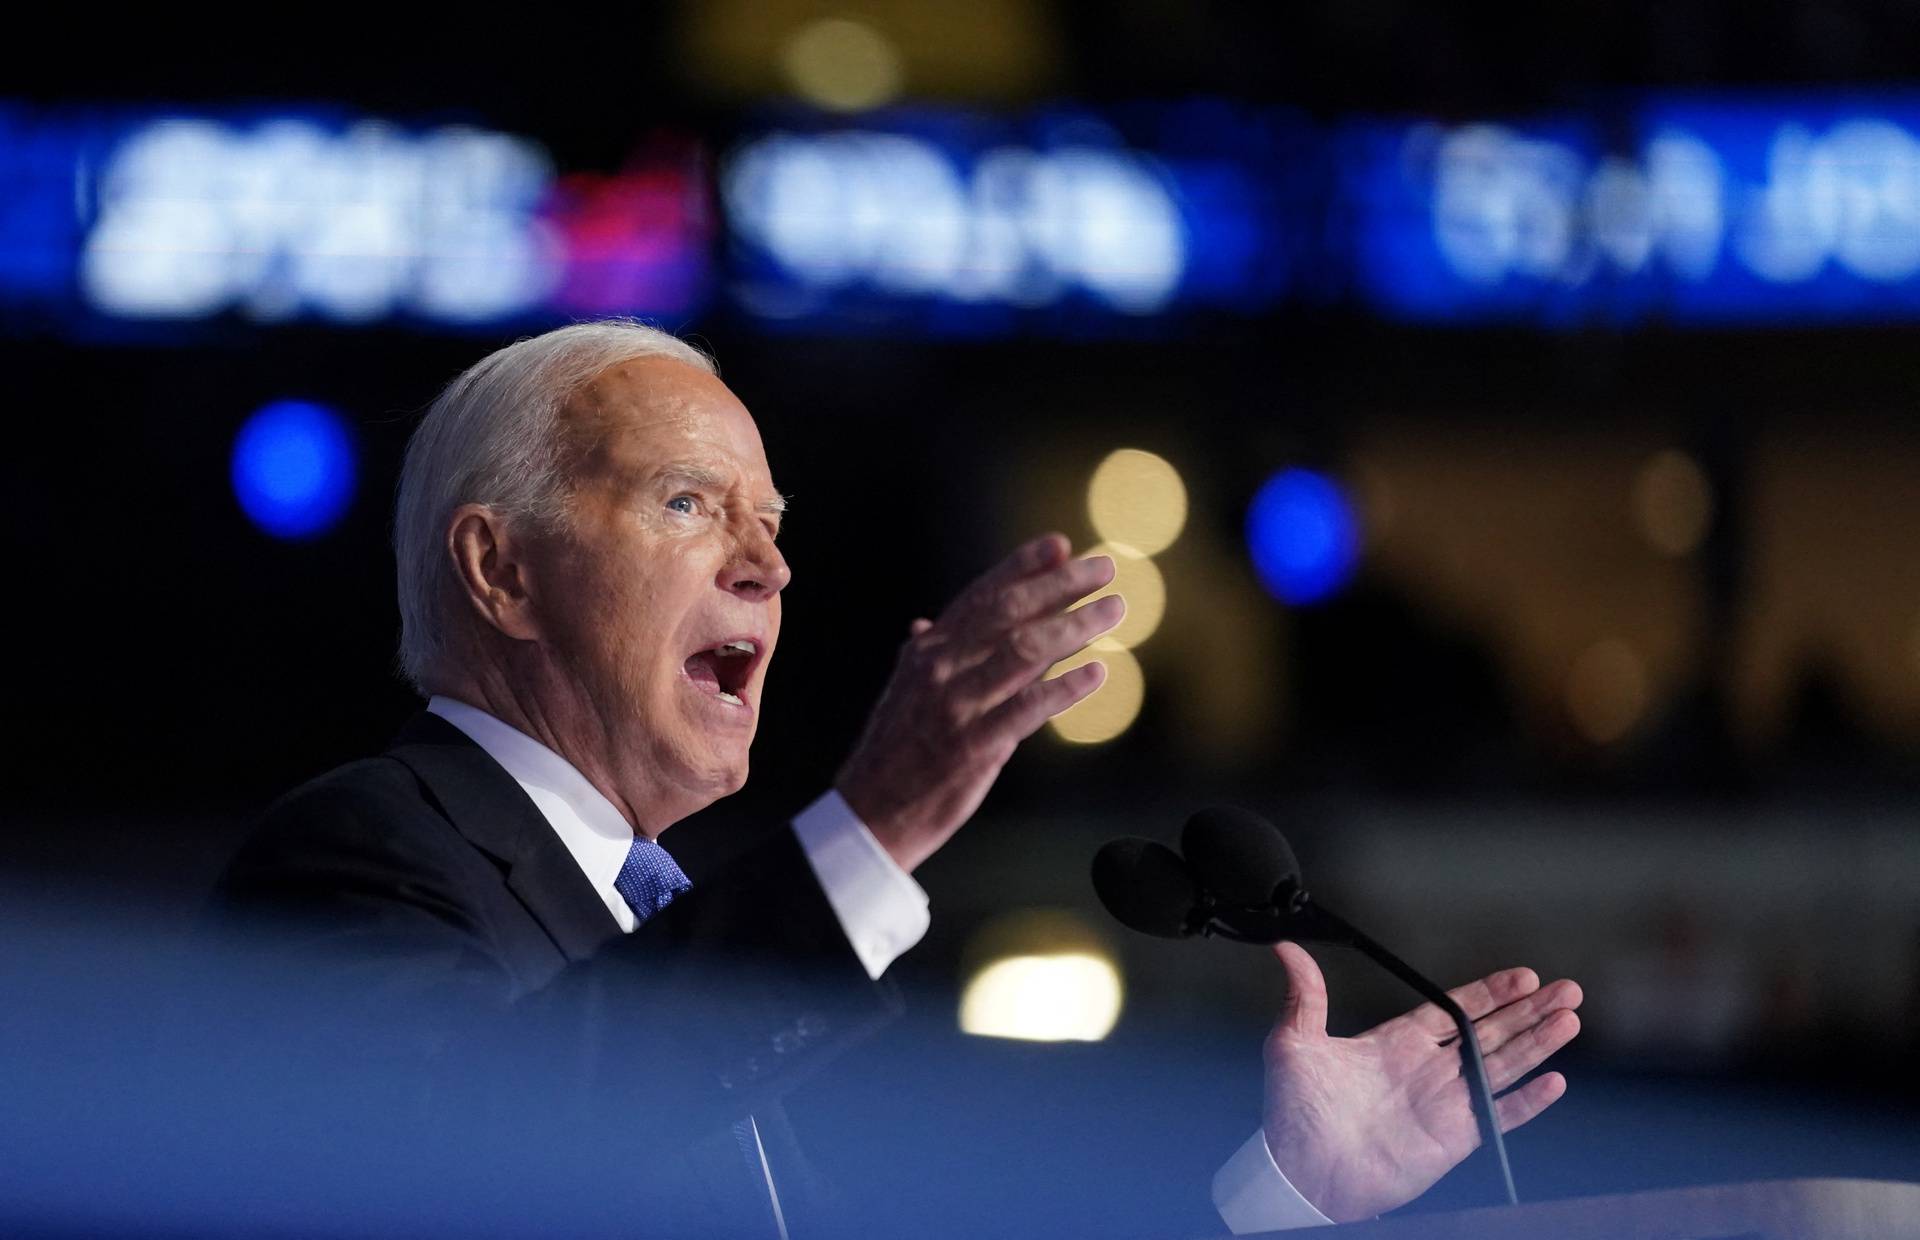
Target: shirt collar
x=593, y=831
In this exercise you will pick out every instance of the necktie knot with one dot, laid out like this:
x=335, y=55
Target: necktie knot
x=649, y=878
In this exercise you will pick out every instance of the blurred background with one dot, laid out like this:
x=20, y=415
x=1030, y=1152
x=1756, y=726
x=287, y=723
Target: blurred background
x=1503, y=420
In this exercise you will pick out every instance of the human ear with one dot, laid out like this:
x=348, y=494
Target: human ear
x=489, y=562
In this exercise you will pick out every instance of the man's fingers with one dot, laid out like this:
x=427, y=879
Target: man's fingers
x=1021, y=715
x=1523, y=1014
x=1306, y=1008
x=1030, y=557
x=1038, y=555
x=984, y=614
x=1035, y=646
x=1528, y=1050
x=1529, y=1100
x=1476, y=999
x=1046, y=593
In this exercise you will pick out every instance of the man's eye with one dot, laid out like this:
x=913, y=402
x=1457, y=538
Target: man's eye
x=692, y=505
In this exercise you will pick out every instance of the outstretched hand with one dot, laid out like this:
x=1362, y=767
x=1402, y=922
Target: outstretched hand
x=968, y=688
x=1361, y=1125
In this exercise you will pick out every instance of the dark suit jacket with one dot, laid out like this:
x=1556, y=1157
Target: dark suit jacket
x=432, y=918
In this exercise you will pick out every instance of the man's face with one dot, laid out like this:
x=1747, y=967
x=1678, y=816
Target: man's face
x=660, y=598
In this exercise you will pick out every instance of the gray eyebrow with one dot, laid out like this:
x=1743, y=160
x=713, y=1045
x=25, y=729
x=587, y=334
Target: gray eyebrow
x=698, y=475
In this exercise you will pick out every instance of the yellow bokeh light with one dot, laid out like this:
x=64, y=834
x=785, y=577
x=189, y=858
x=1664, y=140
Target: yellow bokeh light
x=1672, y=502
x=1063, y=997
x=1137, y=498
x=1136, y=579
x=842, y=65
x=1109, y=710
x=1607, y=691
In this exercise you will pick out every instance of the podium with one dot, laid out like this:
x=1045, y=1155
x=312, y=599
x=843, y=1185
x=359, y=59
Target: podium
x=1767, y=1210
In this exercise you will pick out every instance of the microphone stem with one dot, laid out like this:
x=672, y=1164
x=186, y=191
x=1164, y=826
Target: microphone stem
x=1316, y=922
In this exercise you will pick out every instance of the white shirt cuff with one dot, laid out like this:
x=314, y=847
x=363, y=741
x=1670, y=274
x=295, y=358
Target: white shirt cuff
x=1252, y=1194
x=883, y=911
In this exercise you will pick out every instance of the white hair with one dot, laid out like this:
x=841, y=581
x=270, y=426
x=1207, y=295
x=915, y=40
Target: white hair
x=490, y=439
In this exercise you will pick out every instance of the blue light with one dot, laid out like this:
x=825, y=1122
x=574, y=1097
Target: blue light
x=293, y=469
x=1695, y=208
x=952, y=223
x=1303, y=536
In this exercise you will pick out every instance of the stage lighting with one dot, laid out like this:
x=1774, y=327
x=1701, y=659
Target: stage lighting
x=842, y=65
x=1065, y=998
x=294, y=469
x=1137, y=498
x=1042, y=975
x=1303, y=536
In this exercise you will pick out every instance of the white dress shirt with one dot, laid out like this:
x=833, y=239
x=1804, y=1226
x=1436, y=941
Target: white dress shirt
x=881, y=909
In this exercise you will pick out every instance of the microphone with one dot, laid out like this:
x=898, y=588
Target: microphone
x=1239, y=881
x=1147, y=887
x=1239, y=856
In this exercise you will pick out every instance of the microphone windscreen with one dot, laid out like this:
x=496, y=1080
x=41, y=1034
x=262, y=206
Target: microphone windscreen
x=1146, y=887
x=1237, y=855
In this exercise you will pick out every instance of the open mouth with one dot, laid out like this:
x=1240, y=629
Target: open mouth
x=724, y=670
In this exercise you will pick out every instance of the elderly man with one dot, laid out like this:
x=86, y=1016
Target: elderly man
x=590, y=586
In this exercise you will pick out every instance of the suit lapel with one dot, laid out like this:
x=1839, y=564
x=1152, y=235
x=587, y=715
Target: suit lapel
x=490, y=809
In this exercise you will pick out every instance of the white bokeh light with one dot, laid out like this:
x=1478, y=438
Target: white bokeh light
x=1064, y=997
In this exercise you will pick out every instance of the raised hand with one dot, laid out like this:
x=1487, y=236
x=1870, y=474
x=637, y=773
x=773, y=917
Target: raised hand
x=967, y=690
x=1361, y=1125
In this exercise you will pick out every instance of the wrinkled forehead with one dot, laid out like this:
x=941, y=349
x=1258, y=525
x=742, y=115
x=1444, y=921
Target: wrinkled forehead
x=647, y=413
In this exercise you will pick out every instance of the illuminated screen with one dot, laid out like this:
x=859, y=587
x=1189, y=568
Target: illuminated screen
x=1705, y=209
x=1801, y=209
x=947, y=222
x=1685, y=209
x=276, y=217
x=1478, y=220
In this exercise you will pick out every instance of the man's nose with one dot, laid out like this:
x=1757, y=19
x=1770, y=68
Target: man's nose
x=756, y=570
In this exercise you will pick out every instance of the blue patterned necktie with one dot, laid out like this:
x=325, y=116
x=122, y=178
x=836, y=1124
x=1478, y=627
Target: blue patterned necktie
x=648, y=881
x=649, y=878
